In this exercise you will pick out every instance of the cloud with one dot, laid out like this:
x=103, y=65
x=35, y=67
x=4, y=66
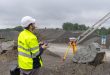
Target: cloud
x=53, y=13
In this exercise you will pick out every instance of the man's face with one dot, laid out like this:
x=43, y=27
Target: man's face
x=33, y=26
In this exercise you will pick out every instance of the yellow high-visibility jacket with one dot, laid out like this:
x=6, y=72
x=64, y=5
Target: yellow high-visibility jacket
x=28, y=51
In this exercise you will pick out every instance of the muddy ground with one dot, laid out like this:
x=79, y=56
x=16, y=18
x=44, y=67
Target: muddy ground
x=53, y=64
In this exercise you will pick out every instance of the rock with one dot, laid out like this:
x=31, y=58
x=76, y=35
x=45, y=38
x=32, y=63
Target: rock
x=93, y=53
x=5, y=46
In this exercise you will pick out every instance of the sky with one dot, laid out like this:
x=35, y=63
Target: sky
x=53, y=13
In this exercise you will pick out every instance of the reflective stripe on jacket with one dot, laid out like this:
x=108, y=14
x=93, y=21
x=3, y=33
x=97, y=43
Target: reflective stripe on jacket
x=28, y=51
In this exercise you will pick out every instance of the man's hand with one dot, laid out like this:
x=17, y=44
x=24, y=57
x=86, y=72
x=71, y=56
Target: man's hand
x=41, y=42
x=44, y=46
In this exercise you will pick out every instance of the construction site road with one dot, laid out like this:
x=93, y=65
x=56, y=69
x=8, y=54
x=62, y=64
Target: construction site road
x=53, y=64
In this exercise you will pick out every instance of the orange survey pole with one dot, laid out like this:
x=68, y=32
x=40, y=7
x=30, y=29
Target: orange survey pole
x=65, y=55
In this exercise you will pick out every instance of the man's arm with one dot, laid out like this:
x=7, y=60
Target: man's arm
x=42, y=47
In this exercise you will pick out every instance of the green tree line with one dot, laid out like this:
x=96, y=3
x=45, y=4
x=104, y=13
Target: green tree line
x=69, y=27
x=73, y=27
x=81, y=27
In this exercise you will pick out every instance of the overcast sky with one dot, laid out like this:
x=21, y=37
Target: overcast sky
x=53, y=13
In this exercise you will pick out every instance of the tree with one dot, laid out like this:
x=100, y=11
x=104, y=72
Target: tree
x=108, y=30
x=103, y=31
x=67, y=26
x=82, y=27
x=73, y=27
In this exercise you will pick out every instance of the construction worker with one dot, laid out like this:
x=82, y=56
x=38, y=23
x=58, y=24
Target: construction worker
x=29, y=50
x=73, y=44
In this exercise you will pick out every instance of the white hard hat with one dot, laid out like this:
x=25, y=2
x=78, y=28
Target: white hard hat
x=25, y=21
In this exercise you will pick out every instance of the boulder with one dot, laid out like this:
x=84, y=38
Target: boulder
x=5, y=46
x=93, y=54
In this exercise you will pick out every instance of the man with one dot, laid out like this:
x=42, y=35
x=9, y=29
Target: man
x=73, y=44
x=29, y=50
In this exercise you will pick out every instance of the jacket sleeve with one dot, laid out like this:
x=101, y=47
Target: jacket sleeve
x=41, y=49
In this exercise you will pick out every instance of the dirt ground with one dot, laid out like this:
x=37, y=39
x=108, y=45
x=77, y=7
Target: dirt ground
x=53, y=64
